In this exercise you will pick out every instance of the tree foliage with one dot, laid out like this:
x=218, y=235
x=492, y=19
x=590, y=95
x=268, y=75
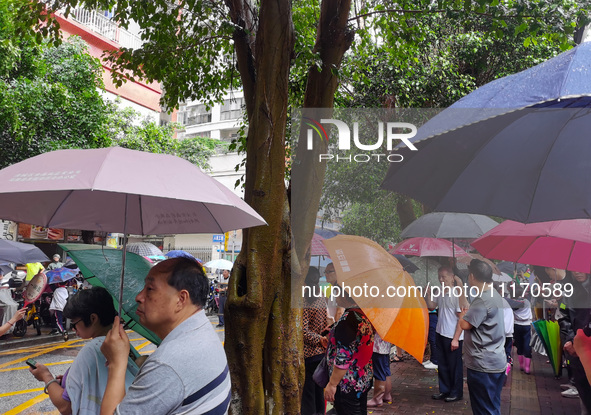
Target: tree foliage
x=50, y=98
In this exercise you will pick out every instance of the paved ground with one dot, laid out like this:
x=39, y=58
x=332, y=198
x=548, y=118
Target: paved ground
x=413, y=385
x=537, y=393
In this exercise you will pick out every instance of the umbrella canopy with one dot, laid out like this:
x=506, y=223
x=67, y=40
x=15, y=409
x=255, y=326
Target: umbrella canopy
x=326, y=233
x=509, y=267
x=549, y=333
x=516, y=148
x=502, y=277
x=406, y=263
x=20, y=253
x=449, y=225
x=219, y=264
x=144, y=249
x=101, y=267
x=120, y=190
x=179, y=253
x=428, y=247
x=62, y=274
x=562, y=244
x=402, y=320
x=317, y=248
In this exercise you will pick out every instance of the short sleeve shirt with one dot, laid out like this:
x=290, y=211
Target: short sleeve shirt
x=447, y=321
x=484, y=344
x=350, y=347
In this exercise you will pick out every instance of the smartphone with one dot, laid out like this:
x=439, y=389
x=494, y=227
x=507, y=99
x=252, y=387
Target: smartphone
x=32, y=363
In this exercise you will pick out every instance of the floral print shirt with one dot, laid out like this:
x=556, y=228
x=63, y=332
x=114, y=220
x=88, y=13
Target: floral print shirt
x=350, y=347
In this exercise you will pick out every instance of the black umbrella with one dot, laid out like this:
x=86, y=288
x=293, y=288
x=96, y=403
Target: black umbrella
x=20, y=253
x=406, y=263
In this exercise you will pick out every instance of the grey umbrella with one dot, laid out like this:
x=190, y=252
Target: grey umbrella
x=20, y=253
x=449, y=225
x=517, y=147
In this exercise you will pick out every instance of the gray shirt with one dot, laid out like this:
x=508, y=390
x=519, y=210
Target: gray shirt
x=484, y=343
x=189, y=360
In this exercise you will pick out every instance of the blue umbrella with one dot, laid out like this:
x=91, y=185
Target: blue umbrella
x=517, y=147
x=62, y=274
x=179, y=253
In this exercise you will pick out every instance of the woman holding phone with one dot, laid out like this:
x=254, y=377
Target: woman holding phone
x=80, y=390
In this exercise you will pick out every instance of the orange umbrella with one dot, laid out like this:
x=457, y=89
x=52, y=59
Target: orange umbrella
x=384, y=291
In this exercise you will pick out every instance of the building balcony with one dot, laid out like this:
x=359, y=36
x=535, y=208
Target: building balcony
x=101, y=23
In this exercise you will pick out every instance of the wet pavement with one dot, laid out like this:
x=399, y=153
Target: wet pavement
x=536, y=393
x=413, y=385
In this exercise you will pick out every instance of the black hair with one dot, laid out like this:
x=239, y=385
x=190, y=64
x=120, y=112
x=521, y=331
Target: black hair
x=186, y=274
x=481, y=270
x=312, y=277
x=95, y=300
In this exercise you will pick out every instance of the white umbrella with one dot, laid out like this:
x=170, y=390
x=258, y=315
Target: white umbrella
x=219, y=264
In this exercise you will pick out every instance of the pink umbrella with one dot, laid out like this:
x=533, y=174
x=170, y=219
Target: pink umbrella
x=428, y=247
x=317, y=247
x=119, y=190
x=564, y=244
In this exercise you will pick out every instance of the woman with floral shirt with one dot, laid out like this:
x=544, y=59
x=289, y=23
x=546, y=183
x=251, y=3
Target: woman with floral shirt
x=349, y=353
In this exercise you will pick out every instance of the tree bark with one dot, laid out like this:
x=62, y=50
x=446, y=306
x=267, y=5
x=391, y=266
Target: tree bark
x=262, y=343
x=264, y=339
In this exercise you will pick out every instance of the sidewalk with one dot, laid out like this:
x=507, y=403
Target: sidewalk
x=537, y=393
x=32, y=339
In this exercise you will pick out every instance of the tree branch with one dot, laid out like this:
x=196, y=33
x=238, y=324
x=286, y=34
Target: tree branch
x=403, y=11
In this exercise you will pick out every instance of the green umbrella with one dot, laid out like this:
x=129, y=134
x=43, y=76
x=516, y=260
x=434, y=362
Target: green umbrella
x=549, y=332
x=101, y=267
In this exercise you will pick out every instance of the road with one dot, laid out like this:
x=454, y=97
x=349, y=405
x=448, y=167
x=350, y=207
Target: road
x=21, y=393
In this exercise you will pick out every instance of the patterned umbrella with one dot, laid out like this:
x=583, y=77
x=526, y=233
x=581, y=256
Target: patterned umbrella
x=61, y=275
x=144, y=249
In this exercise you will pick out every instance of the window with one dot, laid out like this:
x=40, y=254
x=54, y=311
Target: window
x=232, y=109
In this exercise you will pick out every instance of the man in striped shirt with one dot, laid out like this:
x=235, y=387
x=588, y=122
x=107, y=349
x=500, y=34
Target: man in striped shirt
x=188, y=373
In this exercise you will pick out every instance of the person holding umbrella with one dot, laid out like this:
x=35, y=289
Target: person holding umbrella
x=175, y=378
x=484, y=343
x=349, y=358
x=314, y=323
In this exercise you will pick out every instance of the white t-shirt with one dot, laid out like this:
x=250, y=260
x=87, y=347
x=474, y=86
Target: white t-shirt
x=509, y=318
x=447, y=321
x=60, y=297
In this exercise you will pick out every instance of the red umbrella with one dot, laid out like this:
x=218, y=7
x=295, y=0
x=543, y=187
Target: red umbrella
x=564, y=244
x=428, y=247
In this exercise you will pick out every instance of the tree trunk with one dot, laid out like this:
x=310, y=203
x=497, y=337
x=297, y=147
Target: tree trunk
x=264, y=339
x=262, y=343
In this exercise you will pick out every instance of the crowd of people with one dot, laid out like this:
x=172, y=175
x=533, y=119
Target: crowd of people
x=344, y=356
x=478, y=332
